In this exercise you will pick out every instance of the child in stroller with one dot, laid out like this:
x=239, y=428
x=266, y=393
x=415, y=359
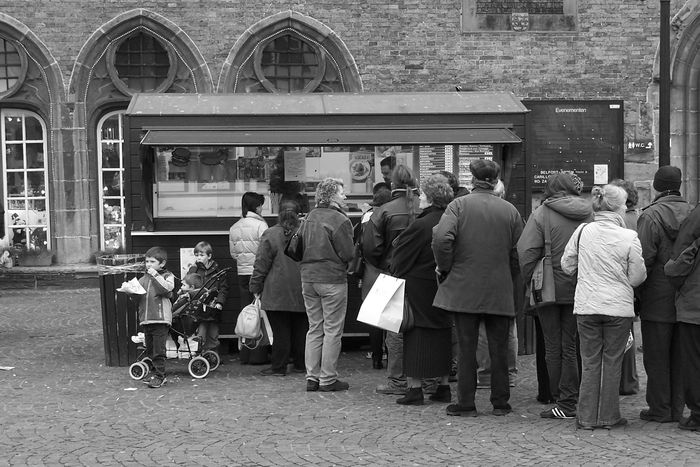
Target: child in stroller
x=194, y=304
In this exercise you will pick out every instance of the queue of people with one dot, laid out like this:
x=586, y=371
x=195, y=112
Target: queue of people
x=464, y=259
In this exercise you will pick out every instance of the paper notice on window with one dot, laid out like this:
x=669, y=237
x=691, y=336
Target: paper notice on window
x=600, y=174
x=294, y=166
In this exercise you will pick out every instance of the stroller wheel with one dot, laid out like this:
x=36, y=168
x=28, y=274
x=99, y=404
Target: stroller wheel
x=138, y=371
x=213, y=359
x=149, y=364
x=198, y=367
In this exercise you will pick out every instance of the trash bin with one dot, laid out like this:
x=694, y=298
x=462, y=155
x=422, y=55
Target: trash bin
x=119, y=311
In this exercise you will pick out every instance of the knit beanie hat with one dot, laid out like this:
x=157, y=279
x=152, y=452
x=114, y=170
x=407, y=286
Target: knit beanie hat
x=667, y=178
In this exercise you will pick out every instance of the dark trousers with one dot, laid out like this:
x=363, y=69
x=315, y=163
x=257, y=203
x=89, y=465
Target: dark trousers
x=544, y=392
x=497, y=328
x=246, y=297
x=155, y=336
x=690, y=349
x=289, y=330
x=629, y=380
x=662, y=358
x=376, y=343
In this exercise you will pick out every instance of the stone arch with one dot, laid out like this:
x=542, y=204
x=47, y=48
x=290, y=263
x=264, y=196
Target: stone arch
x=193, y=72
x=307, y=27
x=685, y=101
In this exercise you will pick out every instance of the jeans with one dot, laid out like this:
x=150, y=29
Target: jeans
x=497, y=328
x=484, y=361
x=209, y=331
x=662, y=359
x=155, y=336
x=603, y=340
x=559, y=331
x=326, y=305
x=289, y=330
x=394, y=362
x=690, y=348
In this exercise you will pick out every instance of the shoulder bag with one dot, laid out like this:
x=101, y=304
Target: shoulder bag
x=295, y=245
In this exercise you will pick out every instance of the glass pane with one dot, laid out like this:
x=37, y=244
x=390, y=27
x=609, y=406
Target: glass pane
x=34, y=130
x=113, y=238
x=110, y=155
x=111, y=183
x=35, y=181
x=35, y=156
x=15, y=184
x=37, y=214
x=17, y=217
x=110, y=128
x=14, y=156
x=16, y=204
x=112, y=211
x=19, y=237
x=13, y=128
x=37, y=237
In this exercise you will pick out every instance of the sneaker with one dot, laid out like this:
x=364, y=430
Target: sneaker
x=336, y=385
x=501, y=411
x=648, y=416
x=391, y=389
x=156, y=381
x=272, y=372
x=460, y=411
x=311, y=385
x=690, y=424
x=556, y=412
x=621, y=422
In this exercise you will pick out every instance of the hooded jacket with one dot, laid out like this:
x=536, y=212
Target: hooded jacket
x=608, y=259
x=244, y=239
x=566, y=212
x=658, y=227
x=684, y=269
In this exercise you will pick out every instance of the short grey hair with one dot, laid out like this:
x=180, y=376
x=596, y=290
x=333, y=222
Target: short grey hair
x=325, y=191
x=438, y=191
x=609, y=198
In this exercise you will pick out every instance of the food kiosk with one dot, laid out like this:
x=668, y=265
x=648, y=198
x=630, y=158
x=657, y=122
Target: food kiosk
x=191, y=157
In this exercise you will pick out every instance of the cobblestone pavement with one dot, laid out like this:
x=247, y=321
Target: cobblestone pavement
x=61, y=405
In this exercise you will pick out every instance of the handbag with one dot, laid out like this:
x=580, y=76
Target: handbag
x=384, y=305
x=295, y=245
x=542, y=288
x=248, y=322
x=408, y=322
x=356, y=266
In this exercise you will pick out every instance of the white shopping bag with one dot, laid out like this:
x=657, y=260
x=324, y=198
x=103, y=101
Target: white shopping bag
x=383, y=306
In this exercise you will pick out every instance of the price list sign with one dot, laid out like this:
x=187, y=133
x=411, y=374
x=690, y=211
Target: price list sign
x=466, y=153
x=431, y=159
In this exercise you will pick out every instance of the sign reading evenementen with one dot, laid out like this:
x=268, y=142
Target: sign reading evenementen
x=581, y=137
x=519, y=15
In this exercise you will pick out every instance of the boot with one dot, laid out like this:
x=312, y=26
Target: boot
x=377, y=362
x=414, y=396
x=443, y=394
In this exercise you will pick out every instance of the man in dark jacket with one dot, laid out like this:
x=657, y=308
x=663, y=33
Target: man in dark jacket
x=658, y=227
x=474, y=247
x=685, y=273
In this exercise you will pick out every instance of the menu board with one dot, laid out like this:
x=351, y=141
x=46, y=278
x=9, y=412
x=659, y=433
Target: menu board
x=431, y=160
x=581, y=137
x=466, y=153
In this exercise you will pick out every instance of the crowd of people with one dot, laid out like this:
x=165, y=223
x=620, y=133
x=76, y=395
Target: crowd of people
x=468, y=260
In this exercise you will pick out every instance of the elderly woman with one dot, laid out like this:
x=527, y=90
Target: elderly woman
x=276, y=280
x=609, y=262
x=562, y=210
x=327, y=237
x=427, y=348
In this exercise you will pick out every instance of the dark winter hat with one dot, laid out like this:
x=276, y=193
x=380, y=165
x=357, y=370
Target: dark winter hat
x=667, y=178
x=484, y=169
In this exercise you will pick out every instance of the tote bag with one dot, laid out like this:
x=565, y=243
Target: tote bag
x=384, y=305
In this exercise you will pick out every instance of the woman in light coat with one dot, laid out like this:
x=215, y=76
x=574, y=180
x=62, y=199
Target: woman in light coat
x=608, y=258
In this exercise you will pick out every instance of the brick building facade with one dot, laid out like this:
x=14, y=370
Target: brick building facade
x=63, y=84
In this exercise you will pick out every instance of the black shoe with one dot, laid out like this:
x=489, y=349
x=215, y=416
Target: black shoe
x=648, y=416
x=501, y=411
x=336, y=385
x=272, y=372
x=311, y=385
x=442, y=394
x=414, y=396
x=556, y=412
x=156, y=381
x=621, y=422
x=299, y=370
x=460, y=411
x=377, y=364
x=690, y=424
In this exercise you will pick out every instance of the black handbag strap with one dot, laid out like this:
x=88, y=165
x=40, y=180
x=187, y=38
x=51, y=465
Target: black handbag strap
x=547, y=233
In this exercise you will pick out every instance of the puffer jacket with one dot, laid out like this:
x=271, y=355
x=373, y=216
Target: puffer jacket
x=565, y=213
x=155, y=306
x=684, y=269
x=243, y=241
x=608, y=258
x=275, y=275
x=658, y=227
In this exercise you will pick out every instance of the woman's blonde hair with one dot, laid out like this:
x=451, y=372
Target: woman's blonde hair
x=325, y=191
x=609, y=198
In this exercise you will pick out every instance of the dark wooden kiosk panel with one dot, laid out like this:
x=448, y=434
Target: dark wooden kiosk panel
x=192, y=156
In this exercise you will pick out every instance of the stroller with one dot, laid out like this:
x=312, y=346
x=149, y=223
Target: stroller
x=186, y=318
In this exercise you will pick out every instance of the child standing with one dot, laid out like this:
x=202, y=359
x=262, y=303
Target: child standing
x=205, y=267
x=155, y=311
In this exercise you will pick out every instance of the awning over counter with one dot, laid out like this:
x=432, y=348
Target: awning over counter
x=325, y=136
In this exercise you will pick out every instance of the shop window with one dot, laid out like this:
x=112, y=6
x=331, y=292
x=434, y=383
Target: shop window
x=25, y=179
x=287, y=63
x=141, y=62
x=13, y=67
x=110, y=151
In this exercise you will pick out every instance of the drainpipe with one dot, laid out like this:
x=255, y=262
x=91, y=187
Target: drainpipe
x=665, y=84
